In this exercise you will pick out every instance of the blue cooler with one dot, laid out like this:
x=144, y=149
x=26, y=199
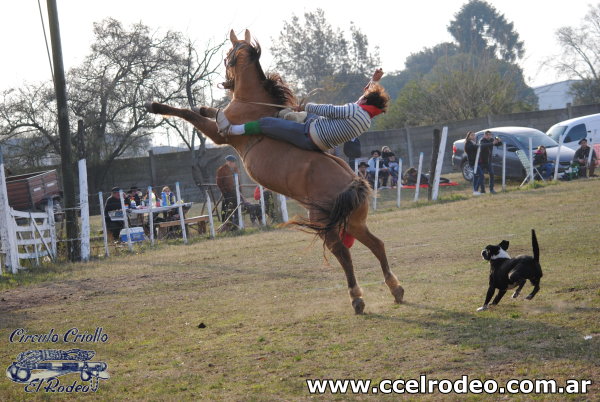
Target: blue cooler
x=136, y=234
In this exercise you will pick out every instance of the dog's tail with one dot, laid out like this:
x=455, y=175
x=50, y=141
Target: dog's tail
x=536, y=252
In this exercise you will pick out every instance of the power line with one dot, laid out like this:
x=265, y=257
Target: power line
x=46, y=40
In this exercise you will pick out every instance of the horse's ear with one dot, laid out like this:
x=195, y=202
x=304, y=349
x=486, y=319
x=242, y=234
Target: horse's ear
x=248, y=37
x=232, y=37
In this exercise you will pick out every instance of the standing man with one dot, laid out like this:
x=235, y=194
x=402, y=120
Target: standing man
x=487, y=143
x=113, y=203
x=226, y=184
x=581, y=158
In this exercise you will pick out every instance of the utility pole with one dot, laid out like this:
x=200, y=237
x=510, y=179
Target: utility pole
x=66, y=164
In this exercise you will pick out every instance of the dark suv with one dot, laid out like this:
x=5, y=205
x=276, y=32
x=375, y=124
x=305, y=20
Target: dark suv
x=515, y=138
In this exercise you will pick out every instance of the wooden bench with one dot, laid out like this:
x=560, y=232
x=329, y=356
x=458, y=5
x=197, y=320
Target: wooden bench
x=196, y=222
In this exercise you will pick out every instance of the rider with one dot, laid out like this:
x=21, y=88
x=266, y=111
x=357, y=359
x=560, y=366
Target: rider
x=326, y=126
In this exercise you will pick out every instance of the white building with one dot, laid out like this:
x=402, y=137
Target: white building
x=554, y=96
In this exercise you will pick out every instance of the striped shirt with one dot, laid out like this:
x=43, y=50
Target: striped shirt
x=336, y=124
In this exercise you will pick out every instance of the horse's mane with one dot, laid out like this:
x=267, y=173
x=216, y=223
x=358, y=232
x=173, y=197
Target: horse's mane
x=272, y=82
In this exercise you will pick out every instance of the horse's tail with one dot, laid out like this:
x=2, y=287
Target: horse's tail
x=337, y=213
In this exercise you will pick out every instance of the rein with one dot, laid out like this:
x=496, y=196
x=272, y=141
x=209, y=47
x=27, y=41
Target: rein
x=260, y=103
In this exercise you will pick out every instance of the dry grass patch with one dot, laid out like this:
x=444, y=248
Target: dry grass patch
x=275, y=314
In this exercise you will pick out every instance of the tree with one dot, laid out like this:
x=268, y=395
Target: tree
x=479, y=29
x=125, y=68
x=312, y=54
x=580, y=58
x=200, y=70
x=416, y=66
x=458, y=88
x=28, y=124
x=108, y=90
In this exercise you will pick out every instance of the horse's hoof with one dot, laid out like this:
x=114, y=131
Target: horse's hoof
x=198, y=110
x=398, y=294
x=359, y=305
x=149, y=106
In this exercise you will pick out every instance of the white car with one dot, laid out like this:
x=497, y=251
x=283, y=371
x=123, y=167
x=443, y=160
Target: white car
x=574, y=130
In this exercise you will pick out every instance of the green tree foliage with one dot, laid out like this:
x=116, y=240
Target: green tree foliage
x=479, y=29
x=580, y=58
x=460, y=87
x=416, y=66
x=311, y=54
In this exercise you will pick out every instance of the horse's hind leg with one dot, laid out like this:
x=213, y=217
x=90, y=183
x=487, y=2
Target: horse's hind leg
x=337, y=248
x=206, y=111
x=203, y=124
x=357, y=227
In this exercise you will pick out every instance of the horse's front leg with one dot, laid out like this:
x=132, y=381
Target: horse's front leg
x=203, y=124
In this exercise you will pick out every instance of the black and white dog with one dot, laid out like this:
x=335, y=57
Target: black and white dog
x=506, y=272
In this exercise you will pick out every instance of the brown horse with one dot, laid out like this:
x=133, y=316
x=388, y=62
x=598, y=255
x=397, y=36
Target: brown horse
x=336, y=199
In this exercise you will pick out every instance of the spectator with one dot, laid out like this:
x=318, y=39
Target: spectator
x=362, y=170
x=485, y=158
x=409, y=178
x=226, y=184
x=113, y=203
x=471, y=151
x=391, y=162
x=383, y=171
x=169, y=194
x=581, y=158
x=540, y=161
x=134, y=194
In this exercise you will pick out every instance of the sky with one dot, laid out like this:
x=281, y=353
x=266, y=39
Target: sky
x=398, y=28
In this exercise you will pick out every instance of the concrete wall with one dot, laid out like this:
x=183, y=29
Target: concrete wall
x=167, y=169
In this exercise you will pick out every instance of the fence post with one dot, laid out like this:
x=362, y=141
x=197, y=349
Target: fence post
x=418, y=186
x=7, y=235
x=262, y=205
x=181, y=217
x=433, y=163
x=531, y=160
x=104, y=232
x=399, y=183
x=376, y=184
x=52, y=225
x=284, y=212
x=211, y=223
x=477, y=166
x=85, y=211
x=239, y=200
x=125, y=220
x=503, y=166
x=150, y=214
x=557, y=161
x=440, y=163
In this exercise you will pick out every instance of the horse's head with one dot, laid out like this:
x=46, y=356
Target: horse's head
x=242, y=69
x=243, y=53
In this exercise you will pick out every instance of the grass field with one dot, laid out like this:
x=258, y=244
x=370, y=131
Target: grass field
x=252, y=317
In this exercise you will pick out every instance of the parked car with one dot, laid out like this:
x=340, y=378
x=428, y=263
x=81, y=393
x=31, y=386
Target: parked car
x=576, y=129
x=515, y=138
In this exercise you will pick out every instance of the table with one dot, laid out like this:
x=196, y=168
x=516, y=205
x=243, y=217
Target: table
x=138, y=215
